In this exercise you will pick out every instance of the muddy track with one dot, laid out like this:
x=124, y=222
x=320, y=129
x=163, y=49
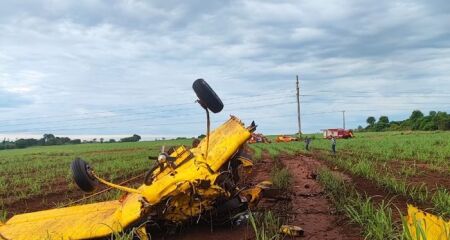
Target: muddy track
x=431, y=177
x=305, y=205
x=370, y=189
x=310, y=208
x=425, y=174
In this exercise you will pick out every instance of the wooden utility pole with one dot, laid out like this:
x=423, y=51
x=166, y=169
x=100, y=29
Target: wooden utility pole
x=343, y=118
x=298, y=109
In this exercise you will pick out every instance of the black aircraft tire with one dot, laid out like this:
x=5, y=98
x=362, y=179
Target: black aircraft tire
x=81, y=175
x=207, y=96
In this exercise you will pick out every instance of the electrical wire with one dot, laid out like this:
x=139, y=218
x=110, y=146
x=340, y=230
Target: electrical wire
x=118, y=110
x=155, y=113
x=70, y=127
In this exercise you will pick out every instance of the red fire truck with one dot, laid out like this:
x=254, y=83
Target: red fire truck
x=337, y=133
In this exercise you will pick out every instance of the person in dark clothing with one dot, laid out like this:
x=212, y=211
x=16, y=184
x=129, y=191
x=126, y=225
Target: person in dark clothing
x=333, y=145
x=307, y=142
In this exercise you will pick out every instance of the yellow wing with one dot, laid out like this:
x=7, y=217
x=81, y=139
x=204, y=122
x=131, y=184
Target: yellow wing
x=79, y=222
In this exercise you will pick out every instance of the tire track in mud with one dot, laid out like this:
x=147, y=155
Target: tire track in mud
x=425, y=174
x=310, y=209
x=305, y=205
x=370, y=188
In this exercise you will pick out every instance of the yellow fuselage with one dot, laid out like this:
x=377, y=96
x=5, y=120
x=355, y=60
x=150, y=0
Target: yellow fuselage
x=173, y=188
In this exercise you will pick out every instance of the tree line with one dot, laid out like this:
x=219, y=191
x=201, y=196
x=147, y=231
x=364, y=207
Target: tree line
x=51, y=140
x=417, y=121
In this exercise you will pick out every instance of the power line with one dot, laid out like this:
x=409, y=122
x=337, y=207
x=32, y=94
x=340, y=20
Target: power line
x=346, y=91
x=279, y=93
x=421, y=94
x=265, y=117
x=157, y=113
x=365, y=103
x=70, y=127
x=130, y=120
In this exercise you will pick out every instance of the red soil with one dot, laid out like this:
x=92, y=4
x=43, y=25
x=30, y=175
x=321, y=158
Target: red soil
x=378, y=194
x=431, y=177
x=310, y=208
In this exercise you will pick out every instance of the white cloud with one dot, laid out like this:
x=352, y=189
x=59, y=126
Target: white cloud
x=92, y=58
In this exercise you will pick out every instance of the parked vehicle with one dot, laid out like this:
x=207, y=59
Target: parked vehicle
x=258, y=138
x=285, y=138
x=337, y=133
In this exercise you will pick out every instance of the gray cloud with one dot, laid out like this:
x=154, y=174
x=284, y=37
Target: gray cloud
x=11, y=100
x=79, y=58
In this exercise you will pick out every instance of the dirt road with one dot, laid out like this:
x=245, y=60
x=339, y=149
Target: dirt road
x=310, y=208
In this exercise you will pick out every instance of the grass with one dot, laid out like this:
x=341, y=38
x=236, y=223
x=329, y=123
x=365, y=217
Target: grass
x=416, y=192
x=266, y=226
x=423, y=147
x=441, y=201
x=3, y=215
x=388, y=159
x=123, y=236
x=273, y=151
x=257, y=153
x=35, y=171
x=281, y=178
x=375, y=220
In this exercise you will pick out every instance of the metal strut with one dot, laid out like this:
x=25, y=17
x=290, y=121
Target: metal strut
x=208, y=126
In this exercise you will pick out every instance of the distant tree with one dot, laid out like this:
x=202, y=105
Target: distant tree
x=201, y=136
x=62, y=140
x=394, y=126
x=101, y=140
x=383, y=119
x=360, y=128
x=24, y=143
x=75, y=141
x=381, y=125
x=46, y=140
x=134, y=138
x=371, y=120
x=112, y=140
x=428, y=126
x=415, y=115
x=416, y=121
x=49, y=139
x=442, y=121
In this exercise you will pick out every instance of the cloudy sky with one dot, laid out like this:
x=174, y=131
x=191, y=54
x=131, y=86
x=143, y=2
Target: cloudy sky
x=110, y=68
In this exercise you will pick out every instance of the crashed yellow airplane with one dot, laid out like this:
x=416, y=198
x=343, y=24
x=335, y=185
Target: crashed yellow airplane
x=184, y=184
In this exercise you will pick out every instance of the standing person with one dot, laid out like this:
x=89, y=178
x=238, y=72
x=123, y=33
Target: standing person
x=307, y=142
x=333, y=144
